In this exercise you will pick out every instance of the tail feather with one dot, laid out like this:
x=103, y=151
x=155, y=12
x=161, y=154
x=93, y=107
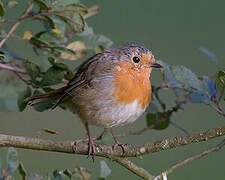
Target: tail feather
x=46, y=97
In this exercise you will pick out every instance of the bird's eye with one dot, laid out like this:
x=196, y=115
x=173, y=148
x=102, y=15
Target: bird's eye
x=136, y=59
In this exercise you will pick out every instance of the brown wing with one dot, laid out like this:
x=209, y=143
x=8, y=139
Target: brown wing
x=81, y=78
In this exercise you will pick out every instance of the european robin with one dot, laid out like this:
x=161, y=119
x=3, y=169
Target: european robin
x=110, y=89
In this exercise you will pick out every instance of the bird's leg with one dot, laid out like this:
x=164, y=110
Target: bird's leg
x=101, y=135
x=91, y=143
x=117, y=143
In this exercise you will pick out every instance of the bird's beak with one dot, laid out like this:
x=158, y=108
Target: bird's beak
x=155, y=65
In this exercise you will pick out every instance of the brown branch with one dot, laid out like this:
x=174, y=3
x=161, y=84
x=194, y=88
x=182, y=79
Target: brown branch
x=197, y=156
x=91, y=11
x=12, y=68
x=133, y=168
x=14, y=26
x=81, y=147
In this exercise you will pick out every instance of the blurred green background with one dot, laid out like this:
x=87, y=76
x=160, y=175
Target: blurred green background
x=174, y=30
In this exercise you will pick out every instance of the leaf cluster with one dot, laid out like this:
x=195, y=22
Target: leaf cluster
x=63, y=36
x=15, y=166
x=187, y=87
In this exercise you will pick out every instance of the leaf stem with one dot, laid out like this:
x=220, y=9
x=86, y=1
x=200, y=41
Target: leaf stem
x=12, y=68
x=14, y=26
x=133, y=168
x=92, y=11
x=186, y=161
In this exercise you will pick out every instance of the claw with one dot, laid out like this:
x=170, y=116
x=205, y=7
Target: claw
x=120, y=145
x=91, y=148
x=117, y=143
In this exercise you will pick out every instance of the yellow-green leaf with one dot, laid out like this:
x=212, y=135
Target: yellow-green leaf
x=78, y=47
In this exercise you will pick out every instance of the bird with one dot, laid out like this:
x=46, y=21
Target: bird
x=110, y=89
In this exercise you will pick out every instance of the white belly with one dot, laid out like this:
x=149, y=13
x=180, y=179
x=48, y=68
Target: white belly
x=118, y=115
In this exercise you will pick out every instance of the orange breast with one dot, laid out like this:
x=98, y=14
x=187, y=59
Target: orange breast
x=132, y=84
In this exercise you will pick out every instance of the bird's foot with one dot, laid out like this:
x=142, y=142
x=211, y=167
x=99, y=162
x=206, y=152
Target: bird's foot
x=120, y=145
x=92, y=148
x=117, y=143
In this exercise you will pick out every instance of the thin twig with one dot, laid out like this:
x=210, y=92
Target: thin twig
x=29, y=2
x=133, y=168
x=92, y=11
x=24, y=80
x=186, y=161
x=12, y=68
x=14, y=26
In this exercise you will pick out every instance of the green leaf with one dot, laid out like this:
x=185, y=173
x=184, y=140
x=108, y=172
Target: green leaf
x=63, y=49
x=9, y=93
x=220, y=83
x=159, y=121
x=46, y=19
x=12, y=160
x=199, y=97
x=57, y=175
x=52, y=76
x=68, y=173
x=22, y=171
x=4, y=56
x=42, y=106
x=210, y=86
x=58, y=65
x=53, y=38
x=166, y=72
x=69, y=75
x=32, y=69
x=42, y=5
x=75, y=22
x=82, y=173
x=93, y=40
x=186, y=77
x=60, y=4
x=2, y=12
x=104, y=169
x=20, y=102
x=39, y=43
x=74, y=8
x=60, y=25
